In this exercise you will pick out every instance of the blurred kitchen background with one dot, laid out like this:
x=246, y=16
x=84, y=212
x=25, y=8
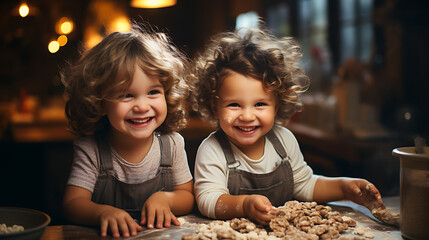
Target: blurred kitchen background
x=365, y=58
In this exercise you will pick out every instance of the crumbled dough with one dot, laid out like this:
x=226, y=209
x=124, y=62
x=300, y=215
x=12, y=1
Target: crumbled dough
x=350, y=238
x=181, y=220
x=385, y=216
x=294, y=220
x=350, y=222
x=15, y=228
x=363, y=231
x=368, y=235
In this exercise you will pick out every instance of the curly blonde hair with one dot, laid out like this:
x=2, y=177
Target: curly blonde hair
x=255, y=53
x=93, y=80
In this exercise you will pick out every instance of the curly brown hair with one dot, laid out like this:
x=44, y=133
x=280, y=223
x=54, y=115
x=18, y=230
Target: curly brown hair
x=94, y=78
x=255, y=53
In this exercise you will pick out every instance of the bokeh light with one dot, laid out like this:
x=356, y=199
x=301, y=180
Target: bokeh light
x=53, y=46
x=62, y=40
x=24, y=10
x=64, y=26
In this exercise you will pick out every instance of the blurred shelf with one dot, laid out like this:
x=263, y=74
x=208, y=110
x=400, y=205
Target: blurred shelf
x=55, y=130
x=42, y=131
x=339, y=154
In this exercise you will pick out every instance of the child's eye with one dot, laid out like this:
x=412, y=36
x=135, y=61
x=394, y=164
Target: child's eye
x=260, y=104
x=153, y=92
x=124, y=96
x=233, y=105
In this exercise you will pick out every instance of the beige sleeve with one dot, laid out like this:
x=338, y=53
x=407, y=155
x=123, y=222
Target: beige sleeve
x=211, y=176
x=83, y=172
x=181, y=172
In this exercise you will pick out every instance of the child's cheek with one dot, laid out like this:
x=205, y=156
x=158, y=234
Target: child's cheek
x=228, y=119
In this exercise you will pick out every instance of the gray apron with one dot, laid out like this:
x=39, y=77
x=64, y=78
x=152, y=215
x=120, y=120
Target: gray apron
x=277, y=185
x=130, y=197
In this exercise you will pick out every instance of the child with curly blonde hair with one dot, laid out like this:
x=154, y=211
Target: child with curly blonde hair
x=247, y=83
x=126, y=102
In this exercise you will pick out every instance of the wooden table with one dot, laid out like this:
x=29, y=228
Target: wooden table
x=347, y=208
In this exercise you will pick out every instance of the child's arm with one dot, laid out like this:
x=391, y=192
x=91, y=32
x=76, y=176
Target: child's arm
x=357, y=190
x=255, y=207
x=80, y=209
x=163, y=206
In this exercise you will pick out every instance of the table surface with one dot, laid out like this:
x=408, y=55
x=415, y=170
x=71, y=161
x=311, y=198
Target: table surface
x=359, y=213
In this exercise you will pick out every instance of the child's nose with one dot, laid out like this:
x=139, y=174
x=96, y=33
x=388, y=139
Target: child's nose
x=141, y=106
x=247, y=115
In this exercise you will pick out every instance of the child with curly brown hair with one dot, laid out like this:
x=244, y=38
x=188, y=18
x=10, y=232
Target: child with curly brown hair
x=126, y=102
x=247, y=83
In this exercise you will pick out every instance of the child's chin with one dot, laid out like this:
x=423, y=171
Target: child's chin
x=247, y=141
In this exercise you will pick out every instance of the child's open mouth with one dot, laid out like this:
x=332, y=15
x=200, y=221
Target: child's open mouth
x=139, y=121
x=247, y=129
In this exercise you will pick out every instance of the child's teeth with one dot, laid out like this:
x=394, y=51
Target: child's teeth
x=140, y=121
x=247, y=129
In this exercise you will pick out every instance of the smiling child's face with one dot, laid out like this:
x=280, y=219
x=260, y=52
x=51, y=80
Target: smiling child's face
x=245, y=109
x=139, y=112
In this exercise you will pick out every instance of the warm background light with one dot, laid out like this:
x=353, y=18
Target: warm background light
x=106, y=17
x=120, y=24
x=152, y=3
x=53, y=46
x=62, y=40
x=24, y=10
x=64, y=26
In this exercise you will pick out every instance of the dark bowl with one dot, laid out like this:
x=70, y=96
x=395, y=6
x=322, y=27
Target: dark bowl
x=33, y=221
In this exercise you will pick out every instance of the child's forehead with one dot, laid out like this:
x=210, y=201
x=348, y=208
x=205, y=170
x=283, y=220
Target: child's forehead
x=128, y=69
x=241, y=84
x=232, y=76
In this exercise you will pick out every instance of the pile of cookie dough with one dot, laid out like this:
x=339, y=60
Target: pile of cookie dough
x=294, y=220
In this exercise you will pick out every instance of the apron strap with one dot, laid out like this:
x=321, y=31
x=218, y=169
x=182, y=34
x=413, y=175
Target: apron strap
x=278, y=146
x=229, y=155
x=109, y=190
x=226, y=146
x=104, y=154
x=106, y=167
x=164, y=143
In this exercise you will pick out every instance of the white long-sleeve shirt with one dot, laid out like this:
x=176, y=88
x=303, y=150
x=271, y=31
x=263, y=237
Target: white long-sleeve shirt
x=211, y=169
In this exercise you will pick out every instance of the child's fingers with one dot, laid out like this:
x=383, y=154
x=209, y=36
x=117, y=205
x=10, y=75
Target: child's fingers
x=175, y=220
x=263, y=218
x=374, y=191
x=371, y=188
x=114, y=228
x=150, y=219
x=267, y=217
x=356, y=188
x=167, y=219
x=159, y=219
x=123, y=226
x=132, y=225
x=143, y=217
x=263, y=205
x=138, y=227
x=103, y=228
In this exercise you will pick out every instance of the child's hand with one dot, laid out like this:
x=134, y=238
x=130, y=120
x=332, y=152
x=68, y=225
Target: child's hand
x=157, y=207
x=118, y=220
x=256, y=208
x=362, y=192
